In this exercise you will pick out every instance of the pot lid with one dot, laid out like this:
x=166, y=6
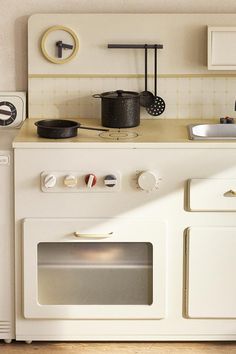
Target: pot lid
x=120, y=93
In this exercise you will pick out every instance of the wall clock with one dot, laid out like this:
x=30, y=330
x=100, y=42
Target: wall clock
x=12, y=109
x=59, y=44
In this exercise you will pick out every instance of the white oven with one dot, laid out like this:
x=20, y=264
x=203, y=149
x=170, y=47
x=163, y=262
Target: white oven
x=106, y=268
x=120, y=255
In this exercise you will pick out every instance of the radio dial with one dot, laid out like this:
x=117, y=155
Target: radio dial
x=50, y=181
x=147, y=181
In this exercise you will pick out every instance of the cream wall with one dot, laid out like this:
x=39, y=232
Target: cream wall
x=15, y=13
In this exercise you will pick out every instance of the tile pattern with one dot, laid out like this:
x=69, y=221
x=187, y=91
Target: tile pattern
x=200, y=97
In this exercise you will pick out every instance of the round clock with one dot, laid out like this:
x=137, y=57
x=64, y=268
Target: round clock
x=59, y=44
x=12, y=108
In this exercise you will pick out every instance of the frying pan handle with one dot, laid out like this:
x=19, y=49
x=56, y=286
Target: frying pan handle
x=91, y=128
x=96, y=95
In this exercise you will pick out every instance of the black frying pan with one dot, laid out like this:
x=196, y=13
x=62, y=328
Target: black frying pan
x=60, y=128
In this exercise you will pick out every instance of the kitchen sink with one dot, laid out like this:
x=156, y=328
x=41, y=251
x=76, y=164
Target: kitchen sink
x=212, y=131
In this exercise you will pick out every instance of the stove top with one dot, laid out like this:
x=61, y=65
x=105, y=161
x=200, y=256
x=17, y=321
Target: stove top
x=150, y=131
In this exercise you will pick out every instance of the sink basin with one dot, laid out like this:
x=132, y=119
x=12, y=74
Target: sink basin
x=212, y=131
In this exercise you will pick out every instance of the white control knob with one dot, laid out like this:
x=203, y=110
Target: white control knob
x=49, y=181
x=70, y=181
x=147, y=181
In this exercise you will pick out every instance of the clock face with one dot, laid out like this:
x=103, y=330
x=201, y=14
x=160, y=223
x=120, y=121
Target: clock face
x=8, y=113
x=59, y=44
x=12, y=109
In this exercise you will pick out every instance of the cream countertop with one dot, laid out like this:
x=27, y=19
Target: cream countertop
x=152, y=133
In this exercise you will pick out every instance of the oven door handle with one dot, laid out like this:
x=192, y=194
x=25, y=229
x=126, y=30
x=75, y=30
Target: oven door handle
x=81, y=235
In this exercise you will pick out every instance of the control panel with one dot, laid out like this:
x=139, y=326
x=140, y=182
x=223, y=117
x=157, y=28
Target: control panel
x=80, y=181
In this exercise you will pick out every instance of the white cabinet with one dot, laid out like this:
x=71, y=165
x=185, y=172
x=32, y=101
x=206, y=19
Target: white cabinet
x=212, y=194
x=105, y=268
x=123, y=277
x=222, y=48
x=210, y=279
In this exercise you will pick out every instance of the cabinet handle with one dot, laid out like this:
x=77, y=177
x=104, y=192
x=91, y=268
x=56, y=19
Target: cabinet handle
x=232, y=192
x=78, y=234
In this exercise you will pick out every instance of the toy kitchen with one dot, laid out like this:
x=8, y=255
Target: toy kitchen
x=124, y=181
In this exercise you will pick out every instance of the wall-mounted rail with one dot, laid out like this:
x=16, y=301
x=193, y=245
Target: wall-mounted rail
x=136, y=46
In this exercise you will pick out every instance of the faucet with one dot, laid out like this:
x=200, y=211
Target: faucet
x=226, y=120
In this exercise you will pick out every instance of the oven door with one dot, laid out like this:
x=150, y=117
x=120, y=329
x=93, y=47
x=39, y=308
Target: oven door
x=105, y=268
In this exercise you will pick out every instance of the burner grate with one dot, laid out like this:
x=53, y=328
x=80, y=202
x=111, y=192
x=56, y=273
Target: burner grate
x=119, y=135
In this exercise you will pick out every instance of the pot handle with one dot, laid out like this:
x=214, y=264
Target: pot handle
x=119, y=93
x=96, y=95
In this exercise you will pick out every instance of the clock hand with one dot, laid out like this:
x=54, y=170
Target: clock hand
x=61, y=46
x=6, y=113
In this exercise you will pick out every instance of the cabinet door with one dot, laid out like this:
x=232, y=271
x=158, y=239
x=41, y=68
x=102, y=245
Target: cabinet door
x=221, y=48
x=212, y=194
x=94, y=268
x=211, y=265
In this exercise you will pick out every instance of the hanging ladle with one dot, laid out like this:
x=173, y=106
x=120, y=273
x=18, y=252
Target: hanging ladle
x=158, y=106
x=146, y=97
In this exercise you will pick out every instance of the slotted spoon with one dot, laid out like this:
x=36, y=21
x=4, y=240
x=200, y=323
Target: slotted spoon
x=158, y=106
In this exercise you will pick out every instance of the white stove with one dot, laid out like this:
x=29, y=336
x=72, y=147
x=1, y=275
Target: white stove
x=113, y=231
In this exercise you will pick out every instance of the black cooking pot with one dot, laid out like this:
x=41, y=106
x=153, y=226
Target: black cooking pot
x=60, y=128
x=120, y=109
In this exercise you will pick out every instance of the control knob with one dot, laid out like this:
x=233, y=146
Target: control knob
x=49, y=181
x=70, y=181
x=110, y=180
x=90, y=180
x=147, y=181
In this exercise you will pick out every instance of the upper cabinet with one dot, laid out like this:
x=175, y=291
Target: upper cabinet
x=222, y=48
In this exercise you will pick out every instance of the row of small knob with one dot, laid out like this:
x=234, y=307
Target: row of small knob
x=70, y=181
x=146, y=180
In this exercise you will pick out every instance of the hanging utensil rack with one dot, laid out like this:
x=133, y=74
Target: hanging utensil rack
x=136, y=46
x=144, y=46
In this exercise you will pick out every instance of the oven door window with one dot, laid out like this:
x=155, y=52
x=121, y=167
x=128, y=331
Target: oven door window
x=92, y=273
x=94, y=268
